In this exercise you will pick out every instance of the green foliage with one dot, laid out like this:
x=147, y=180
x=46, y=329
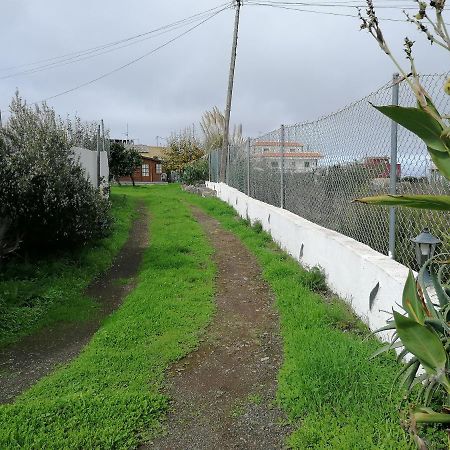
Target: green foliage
x=257, y=226
x=182, y=150
x=315, y=279
x=195, y=172
x=436, y=202
x=37, y=292
x=44, y=193
x=335, y=397
x=110, y=396
x=122, y=161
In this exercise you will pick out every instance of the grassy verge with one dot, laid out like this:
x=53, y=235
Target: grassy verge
x=109, y=397
x=337, y=397
x=37, y=293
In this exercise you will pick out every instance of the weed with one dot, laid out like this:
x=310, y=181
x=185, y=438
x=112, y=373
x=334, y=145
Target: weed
x=315, y=279
x=122, y=281
x=257, y=226
x=254, y=399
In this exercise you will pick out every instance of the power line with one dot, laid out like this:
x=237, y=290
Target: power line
x=117, y=69
x=335, y=4
x=84, y=57
x=328, y=13
x=87, y=51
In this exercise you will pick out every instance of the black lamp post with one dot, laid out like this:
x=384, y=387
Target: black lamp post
x=425, y=246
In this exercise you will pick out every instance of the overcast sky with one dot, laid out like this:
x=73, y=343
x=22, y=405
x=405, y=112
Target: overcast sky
x=291, y=66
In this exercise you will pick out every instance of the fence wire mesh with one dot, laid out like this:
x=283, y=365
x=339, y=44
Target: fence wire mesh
x=320, y=167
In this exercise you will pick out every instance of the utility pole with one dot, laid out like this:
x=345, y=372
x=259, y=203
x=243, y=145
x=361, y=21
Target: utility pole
x=226, y=131
x=393, y=171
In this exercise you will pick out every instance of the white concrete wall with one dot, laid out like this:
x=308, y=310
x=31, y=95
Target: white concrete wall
x=352, y=268
x=88, y=159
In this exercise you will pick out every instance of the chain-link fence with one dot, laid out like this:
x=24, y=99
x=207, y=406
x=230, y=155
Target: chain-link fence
x=316, y=169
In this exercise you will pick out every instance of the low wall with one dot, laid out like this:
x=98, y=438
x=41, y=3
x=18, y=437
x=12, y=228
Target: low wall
x=352, y=269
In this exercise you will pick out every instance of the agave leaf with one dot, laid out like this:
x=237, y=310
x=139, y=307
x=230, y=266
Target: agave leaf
x=429, y=391
x=419, y=122
x=436, y=324
x=411, y=302
x=420, y=379
x=402, y=354
x=442, y=296
x=435, y=202
x=386, y=348
x=405, y=367
x=390, y=326
x=409, y=375
x=423, y=343
x=427, y=415
x=441, y=160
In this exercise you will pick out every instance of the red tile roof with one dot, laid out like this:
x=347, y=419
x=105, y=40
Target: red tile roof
x=290, y=155
x=276, y=144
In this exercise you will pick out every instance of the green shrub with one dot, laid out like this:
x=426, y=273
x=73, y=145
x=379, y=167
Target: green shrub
x=315, y=279
x=195, y=172
x=44, y=193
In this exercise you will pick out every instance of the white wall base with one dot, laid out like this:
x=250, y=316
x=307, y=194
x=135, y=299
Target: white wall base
x=352, y=268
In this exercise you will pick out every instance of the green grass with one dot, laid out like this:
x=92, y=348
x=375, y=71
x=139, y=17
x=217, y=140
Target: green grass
x=331, y=391
x=35, y=293
x=110, y=396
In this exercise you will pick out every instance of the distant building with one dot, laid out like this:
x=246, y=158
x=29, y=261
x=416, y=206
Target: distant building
x=152, y=158
x=435, y=176
x=382, y=166
x=150, y=171
x=296, y=159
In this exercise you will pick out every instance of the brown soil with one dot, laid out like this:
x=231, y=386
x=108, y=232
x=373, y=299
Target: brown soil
x=24, y=363
x=224, y=392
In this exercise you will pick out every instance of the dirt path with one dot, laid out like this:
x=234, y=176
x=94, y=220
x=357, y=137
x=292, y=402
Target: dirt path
x=24, y=363
x=224, y=392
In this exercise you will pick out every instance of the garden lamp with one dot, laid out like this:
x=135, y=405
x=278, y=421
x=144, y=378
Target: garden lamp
x=425, y=245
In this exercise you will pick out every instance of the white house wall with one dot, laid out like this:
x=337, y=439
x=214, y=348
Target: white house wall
x=88, y=160
x=352, y=269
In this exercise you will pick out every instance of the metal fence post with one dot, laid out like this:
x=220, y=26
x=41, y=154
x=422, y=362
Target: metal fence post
x=248, y=167
x=393, y=171
x=209, y=165
x=98, y=157
x=227, y=168
x=282, y=167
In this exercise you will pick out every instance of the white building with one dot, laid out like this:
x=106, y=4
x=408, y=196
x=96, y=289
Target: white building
x=296, y=158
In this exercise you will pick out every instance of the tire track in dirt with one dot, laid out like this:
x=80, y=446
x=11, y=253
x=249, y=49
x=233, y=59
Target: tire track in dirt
x=223, y=394
x=24, y=363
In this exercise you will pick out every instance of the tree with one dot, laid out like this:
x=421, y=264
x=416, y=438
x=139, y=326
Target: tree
x=123, y=162
x=183, y=149
x=46, y=200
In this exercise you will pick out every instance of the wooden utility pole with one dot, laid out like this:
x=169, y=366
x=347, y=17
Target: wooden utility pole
x=226, y=131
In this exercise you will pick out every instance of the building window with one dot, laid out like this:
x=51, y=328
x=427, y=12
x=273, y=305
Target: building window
x=274, y=164
x=292, y=150
x=306, y=164
x=292, y=163
x=265, y=150
x=158, y=168
x=145, y=171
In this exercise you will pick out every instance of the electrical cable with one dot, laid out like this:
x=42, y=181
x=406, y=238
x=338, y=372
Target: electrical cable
x=117, y=69
x=329, y=13
x=88, y=51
